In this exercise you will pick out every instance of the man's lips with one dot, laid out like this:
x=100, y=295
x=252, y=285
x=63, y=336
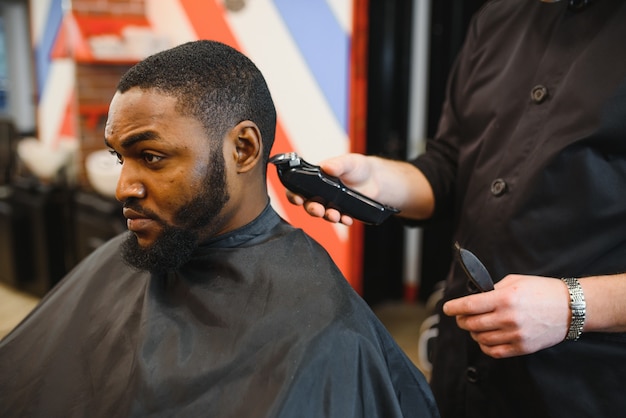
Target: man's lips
x=136, y=221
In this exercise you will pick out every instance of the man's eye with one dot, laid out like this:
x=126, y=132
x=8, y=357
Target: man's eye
x=117, y=156
x=151, y=158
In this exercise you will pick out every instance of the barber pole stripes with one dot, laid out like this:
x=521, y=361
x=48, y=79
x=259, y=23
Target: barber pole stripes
x=56, y=110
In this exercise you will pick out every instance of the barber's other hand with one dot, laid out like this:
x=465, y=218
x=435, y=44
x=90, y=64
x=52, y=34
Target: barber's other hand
x=522, y=315
x=354, y=170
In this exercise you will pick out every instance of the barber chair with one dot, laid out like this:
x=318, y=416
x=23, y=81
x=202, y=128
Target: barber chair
x=37, y=219
x=96, y=220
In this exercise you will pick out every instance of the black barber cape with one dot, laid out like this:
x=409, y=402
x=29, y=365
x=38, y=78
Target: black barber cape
x=260, y=323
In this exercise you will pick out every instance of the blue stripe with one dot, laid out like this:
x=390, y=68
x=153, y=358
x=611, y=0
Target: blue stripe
x=46, y=43
x=324, y=46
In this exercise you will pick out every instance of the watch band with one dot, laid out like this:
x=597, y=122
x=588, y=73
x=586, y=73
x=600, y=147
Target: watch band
x=578, y=307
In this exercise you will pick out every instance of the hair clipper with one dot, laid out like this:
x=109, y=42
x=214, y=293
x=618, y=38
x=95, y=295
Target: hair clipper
x=312, y=183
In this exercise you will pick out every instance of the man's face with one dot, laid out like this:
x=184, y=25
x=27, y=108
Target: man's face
x=172, y=184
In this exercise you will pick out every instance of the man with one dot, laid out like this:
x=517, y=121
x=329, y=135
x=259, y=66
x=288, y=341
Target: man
x=227, y=311
x=530, y=162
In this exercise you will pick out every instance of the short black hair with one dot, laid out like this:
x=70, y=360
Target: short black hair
x=213, y=82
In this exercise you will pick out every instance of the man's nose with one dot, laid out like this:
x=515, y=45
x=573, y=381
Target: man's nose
x=129, y=185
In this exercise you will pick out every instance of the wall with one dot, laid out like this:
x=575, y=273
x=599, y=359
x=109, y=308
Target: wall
x=301, y=46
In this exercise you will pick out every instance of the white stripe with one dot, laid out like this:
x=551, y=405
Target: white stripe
x=39, y=10
x=302, y=110
x=54, y=100
x=342, y=9
x=168, y=18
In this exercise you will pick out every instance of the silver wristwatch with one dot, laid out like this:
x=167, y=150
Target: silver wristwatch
x=578, y=306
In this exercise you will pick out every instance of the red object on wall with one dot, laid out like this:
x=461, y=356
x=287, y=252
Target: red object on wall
x=357, y=128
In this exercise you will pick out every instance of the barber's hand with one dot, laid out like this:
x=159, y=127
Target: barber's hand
x=354, y=170
x=522, y=315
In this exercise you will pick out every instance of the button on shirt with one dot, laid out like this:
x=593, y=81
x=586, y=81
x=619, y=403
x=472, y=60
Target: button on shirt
x=498, y=187
x=530, y=162
x=539, y=94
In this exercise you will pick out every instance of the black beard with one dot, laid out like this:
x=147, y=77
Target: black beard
x=172, y=250
x=176, y=245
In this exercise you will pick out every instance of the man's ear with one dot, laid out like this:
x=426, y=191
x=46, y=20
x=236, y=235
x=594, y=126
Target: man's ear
x=248, y=146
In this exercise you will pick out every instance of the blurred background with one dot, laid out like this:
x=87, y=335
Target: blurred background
x=346, y=75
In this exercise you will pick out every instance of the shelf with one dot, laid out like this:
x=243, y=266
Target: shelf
x=76, y=30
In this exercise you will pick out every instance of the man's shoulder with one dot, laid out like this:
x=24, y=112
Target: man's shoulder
x=102, y=263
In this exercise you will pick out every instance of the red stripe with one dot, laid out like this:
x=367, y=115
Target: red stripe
x=357, y=129
x=207, y=19
x=69, y=126
x=411, y=292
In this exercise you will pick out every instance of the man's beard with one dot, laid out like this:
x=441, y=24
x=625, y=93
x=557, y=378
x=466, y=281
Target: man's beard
x=176, y=244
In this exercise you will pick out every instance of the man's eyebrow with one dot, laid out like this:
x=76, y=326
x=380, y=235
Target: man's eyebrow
x=135, y=138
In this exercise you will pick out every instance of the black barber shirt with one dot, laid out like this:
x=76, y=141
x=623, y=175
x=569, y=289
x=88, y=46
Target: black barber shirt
x=530, y=162
x=260, y=323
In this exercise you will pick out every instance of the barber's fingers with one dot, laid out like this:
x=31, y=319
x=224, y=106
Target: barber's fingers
x=331, y=215
x=474, y=304
x=338, y=166
x=352, y=169
x=294, y=198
